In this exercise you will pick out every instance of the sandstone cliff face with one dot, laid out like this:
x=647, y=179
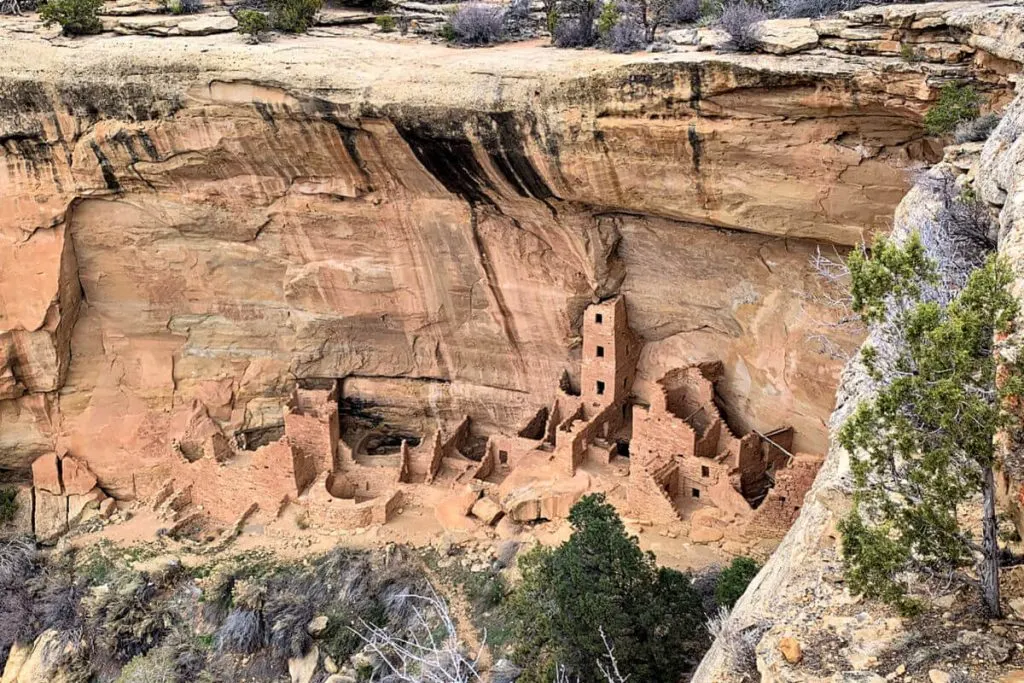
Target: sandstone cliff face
x=800, y=593
x=194, y=220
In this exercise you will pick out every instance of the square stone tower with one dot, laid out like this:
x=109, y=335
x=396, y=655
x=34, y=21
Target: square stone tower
x=610, y=353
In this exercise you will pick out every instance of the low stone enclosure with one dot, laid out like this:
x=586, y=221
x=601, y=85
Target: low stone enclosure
x=684, y=463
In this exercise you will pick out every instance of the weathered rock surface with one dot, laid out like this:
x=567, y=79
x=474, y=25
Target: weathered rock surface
x=163, y=25
x=786, y=36
x=193, y=222
x=800, y=590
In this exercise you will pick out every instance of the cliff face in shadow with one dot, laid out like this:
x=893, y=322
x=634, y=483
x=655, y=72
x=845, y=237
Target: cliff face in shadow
x=193, y=220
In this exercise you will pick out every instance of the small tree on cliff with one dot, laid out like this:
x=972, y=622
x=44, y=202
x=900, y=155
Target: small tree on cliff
x=76, y=17
x=599, y=592
x=925, y=446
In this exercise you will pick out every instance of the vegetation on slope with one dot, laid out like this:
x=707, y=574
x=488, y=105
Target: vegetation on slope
x=598, y=592
x=924, y=449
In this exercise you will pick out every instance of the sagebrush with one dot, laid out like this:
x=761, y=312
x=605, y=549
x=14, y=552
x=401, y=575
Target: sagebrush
x=478, y=23
x=741, y=20
x=252, y=24
x=976, y=130
x=293, y=16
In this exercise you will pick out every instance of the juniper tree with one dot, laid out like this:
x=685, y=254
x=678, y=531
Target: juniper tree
x=924, y=447
x=599, y=592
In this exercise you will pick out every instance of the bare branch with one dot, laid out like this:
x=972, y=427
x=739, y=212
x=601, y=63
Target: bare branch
x=430, y=652
x=613, y=675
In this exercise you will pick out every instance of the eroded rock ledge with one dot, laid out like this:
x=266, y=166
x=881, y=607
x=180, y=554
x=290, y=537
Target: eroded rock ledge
x=193, y=222
x=800, y=594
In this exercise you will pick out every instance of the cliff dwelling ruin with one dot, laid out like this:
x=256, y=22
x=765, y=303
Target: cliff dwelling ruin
x=673, y=459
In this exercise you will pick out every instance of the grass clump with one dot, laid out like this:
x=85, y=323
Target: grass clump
x=387, y=24
x=957, y=104
x=76, y=17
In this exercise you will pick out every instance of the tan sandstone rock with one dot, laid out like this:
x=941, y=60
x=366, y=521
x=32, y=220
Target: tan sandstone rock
x=302, y=669
x=51, y=516
x=706, y=534
x=316, y=626
x=76, y=476
x=31, y=663
x=82, y=507
x=786, y=36
x=487, y=511
x=46, y=474
x=791, y=650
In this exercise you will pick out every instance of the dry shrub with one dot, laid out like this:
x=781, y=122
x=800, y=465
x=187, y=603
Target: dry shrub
x=478, y=23
x=627, y=34
x=976, y=130
x=740, y=21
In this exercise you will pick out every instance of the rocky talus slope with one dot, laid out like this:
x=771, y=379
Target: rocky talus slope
x=193, y=221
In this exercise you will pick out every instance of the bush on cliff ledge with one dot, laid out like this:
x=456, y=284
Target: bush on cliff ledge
x=924, y=447
x=957, y=104
x=252, y=24
x=598, y=592
x=76, y=17
x=293, y=16
x=733, y=581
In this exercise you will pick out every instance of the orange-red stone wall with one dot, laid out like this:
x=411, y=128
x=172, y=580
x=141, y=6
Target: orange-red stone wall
x=615, y=367
x=658, y=435
x=646, y=496
x=782, y=505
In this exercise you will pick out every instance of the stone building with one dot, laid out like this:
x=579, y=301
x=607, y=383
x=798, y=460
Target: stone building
x=684, y=461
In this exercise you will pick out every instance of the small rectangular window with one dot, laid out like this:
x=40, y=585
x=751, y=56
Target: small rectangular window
x=705, y=471
x=598, y=318
x=600, y=387
x=600, y=352
x=695, y=493
x=503, y=457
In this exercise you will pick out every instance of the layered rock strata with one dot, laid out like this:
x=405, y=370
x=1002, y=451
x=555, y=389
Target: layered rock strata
x=800, y=594
x=189, y=224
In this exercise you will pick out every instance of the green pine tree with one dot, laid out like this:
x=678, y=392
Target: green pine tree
x=925, y=445
x=598, y=585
